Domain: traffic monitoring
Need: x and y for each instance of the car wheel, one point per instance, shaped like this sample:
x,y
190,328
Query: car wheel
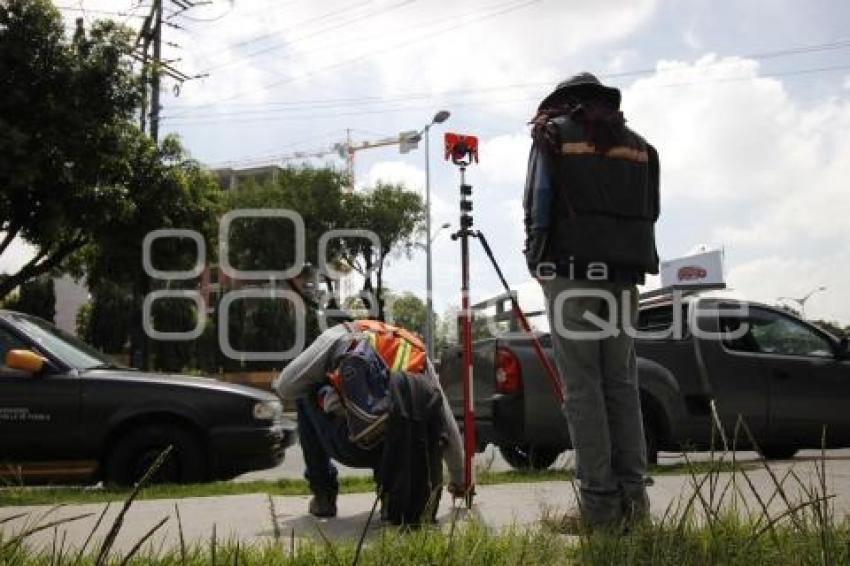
x,y
135,452
777,451
529,457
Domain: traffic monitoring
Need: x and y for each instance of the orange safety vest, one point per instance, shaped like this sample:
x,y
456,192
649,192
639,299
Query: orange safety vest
x,y
400,349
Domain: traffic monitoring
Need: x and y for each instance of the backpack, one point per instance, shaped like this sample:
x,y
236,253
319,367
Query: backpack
x,y
362,375
362,381
400,349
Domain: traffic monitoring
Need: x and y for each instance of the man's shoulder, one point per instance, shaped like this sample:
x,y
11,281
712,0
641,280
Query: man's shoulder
x,y
638,139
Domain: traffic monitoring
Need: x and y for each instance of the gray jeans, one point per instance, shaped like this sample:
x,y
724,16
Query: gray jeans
x,y
602,400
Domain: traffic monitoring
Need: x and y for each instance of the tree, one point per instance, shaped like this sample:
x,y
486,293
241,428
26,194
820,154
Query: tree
x,y
446,329
268,243
168,190
408,311
36,297
103,321
395,215
391,212
65,134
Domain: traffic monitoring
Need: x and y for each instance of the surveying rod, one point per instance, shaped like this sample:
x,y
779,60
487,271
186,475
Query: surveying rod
x,y
462,150
466,329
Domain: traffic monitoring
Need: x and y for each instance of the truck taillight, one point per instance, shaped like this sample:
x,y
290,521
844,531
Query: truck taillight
x,y
508,371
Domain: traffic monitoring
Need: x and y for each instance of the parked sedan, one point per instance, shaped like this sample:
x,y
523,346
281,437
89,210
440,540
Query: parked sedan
x,y
69,413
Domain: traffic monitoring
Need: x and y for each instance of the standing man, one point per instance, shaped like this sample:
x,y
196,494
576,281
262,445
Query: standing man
x,y
591,202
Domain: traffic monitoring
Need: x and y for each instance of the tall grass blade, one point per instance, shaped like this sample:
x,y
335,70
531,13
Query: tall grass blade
x,y
89,537
119,519
20,537
366,528
180,535
142,541
329,545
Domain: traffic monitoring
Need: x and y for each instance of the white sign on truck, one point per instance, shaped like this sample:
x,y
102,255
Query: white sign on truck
x,y
699,271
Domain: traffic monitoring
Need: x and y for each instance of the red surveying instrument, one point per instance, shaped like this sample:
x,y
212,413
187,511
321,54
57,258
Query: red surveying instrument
x,y
463,150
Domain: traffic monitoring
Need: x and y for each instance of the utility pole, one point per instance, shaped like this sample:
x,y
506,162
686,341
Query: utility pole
x,y
149,54
349,158
155,71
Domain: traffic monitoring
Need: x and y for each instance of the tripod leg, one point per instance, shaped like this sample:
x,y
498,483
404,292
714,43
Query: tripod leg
x,y
547,364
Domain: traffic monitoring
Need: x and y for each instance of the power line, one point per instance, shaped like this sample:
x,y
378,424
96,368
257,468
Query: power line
x,y
344,23
86,11
331,104
277,33
401,108
501,9
365,100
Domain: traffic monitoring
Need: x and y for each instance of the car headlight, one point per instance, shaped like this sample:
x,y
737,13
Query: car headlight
x,y
267,410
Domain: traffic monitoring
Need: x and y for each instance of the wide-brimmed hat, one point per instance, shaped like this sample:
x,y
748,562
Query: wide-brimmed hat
x,y
582,82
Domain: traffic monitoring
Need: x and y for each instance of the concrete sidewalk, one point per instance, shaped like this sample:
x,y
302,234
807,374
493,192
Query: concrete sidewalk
x,y
249,517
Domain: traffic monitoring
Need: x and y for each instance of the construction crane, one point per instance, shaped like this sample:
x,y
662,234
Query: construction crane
x,y
346,150
406,141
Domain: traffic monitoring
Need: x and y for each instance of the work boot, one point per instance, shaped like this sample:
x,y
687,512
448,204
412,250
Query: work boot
x,y
322,505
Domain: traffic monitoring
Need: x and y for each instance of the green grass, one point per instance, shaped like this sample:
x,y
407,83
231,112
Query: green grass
x,y
729,541
470,545
57,495
15,495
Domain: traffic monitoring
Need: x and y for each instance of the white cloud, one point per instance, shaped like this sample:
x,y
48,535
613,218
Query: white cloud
x,y
504,159
413,178
768,278
620,60
691,38
301,49
745,166
397,172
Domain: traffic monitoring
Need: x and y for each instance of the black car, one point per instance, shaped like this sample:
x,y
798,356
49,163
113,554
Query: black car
x,y
786,378
69,413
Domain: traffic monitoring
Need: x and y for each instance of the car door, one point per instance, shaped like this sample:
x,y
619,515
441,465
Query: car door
x,y
809,383
39,414
732,367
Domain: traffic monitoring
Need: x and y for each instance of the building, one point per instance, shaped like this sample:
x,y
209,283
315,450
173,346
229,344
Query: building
x,y
229,178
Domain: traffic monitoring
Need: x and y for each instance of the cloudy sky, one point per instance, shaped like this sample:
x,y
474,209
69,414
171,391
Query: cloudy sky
x,y
748,103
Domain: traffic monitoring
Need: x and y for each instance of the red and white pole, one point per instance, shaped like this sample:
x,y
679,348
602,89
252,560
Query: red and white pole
x,y
466,342
463,150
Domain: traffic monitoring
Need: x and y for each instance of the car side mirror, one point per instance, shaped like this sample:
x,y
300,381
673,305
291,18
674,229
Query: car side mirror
x,y
24,360
844,349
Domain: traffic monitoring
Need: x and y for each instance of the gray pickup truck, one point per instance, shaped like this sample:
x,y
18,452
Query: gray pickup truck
x,y
67,413
785,377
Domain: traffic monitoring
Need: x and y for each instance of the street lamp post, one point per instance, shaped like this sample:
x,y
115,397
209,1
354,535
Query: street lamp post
x,y
802,300
438,118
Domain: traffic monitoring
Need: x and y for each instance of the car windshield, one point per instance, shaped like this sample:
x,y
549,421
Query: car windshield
x,y
64,346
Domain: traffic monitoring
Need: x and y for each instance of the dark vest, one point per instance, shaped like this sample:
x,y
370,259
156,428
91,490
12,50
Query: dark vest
x,y
605,205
